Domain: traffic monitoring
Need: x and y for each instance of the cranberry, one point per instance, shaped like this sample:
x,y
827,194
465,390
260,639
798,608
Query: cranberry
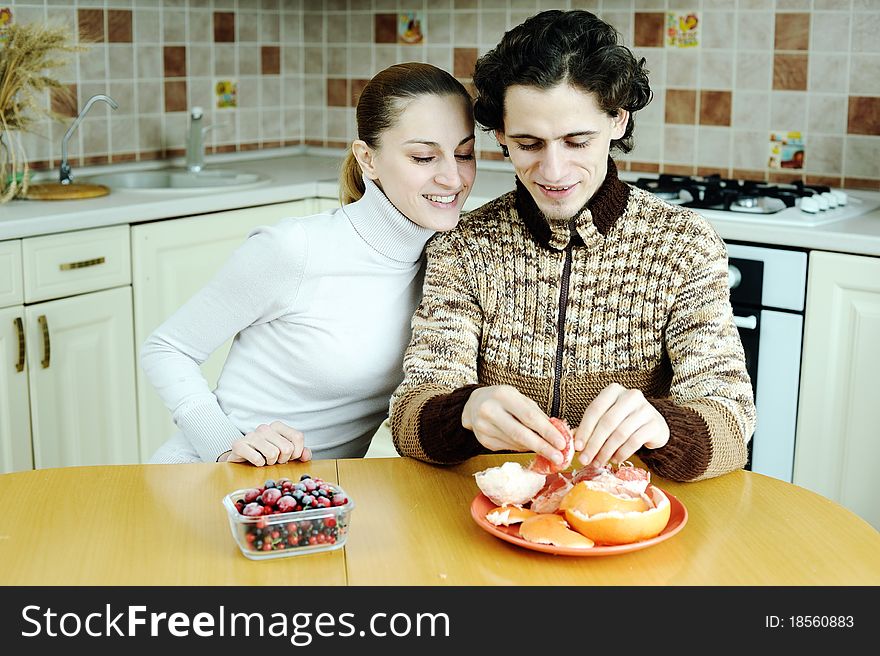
x,y
311,486
252,510
339,500
286,504
270,496
330,522
251,495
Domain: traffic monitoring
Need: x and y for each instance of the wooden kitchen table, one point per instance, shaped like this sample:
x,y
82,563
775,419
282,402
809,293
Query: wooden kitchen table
x,y
411,525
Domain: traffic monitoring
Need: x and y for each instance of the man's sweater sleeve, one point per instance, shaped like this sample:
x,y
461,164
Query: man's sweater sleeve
x,y
257,283
440,363
711,409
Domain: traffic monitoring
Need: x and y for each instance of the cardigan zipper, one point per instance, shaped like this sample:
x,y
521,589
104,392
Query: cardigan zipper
x,y
560,340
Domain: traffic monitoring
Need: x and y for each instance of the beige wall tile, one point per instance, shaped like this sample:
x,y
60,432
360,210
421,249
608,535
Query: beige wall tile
x,y
754,71
829,31
828,73
826,114
679,144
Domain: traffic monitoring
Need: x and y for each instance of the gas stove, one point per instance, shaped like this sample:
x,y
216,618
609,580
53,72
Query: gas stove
x,y
795,204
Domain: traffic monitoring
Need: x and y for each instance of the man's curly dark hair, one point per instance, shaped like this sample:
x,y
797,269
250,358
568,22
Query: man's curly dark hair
x,y
556,46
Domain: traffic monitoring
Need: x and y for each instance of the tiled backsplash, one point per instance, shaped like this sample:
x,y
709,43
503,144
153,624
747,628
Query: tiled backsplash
x,y
293,70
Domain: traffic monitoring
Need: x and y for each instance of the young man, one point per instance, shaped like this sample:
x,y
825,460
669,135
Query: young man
x,y
576,295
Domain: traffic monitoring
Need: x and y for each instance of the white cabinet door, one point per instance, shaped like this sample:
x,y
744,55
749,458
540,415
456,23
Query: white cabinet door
x,y
171,261
81,374
838,432
15,419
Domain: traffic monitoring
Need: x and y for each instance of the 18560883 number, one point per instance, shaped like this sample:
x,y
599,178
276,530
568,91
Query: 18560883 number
x,y
821,621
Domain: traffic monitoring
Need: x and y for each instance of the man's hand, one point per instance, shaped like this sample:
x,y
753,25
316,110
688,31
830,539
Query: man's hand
x,y
270,444
502,418
616,424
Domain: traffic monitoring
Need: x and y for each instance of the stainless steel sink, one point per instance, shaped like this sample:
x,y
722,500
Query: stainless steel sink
x,y
179,179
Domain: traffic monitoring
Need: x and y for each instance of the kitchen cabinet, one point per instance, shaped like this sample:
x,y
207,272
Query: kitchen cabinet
x,y
67,390
171,261
838,433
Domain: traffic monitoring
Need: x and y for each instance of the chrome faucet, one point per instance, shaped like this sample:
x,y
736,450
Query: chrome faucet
x,y
195,141
64,170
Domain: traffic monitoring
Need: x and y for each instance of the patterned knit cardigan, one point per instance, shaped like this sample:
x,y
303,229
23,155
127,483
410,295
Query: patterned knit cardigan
x,y
632,290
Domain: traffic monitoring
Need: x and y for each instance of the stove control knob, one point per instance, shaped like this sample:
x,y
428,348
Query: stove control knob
x,y
839,195
823,202
734,276
831,198
809,204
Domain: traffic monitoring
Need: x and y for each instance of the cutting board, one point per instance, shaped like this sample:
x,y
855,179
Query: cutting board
x,y
58,191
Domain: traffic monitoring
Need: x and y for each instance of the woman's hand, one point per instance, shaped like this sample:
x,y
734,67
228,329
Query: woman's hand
x,y
502,418
270,444
616,424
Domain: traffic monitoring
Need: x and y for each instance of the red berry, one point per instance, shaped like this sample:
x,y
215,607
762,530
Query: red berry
x,y
330,522
253,509
251,495
286,504
271,496
339,500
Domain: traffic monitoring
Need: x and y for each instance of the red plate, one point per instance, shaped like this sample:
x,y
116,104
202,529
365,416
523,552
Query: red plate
x,y
481,505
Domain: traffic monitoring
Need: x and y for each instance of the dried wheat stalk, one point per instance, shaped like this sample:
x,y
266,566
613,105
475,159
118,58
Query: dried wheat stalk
x,y
28,52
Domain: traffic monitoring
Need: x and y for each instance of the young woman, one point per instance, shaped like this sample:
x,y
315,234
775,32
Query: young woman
x,y
321,306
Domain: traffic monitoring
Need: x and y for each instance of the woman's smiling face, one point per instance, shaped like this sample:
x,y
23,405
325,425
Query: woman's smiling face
x,y
425,162
559,140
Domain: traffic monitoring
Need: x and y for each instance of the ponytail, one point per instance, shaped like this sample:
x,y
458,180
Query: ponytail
x,y
351,184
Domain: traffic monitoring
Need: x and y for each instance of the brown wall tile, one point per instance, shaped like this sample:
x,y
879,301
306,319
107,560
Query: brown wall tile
x,y
679,169
749,174
175,61
270,57
119,25
790,72
357,86
64,104
91,25
645,167
337,92
826,180
175,95
649,29
862,183
786,178
715,107
681,106
713,170
224,26
863,115
385,27
792,32
463,62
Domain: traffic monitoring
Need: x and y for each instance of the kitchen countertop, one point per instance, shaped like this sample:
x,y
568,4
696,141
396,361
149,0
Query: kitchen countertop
x,y
411,525
308,172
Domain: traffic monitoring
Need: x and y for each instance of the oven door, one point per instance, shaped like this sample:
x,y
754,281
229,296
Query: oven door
x,y
772,344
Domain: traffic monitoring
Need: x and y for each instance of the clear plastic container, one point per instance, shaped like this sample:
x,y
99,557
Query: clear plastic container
x,y
290,533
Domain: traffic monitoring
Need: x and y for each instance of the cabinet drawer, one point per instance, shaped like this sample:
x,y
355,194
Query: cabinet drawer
x,y
11,286
75,262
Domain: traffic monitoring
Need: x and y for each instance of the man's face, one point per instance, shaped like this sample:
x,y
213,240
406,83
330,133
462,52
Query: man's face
x,y
559,142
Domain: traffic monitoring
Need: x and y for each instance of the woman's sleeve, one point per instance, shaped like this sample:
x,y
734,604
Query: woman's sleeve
x,y
440,363
710,410
257,284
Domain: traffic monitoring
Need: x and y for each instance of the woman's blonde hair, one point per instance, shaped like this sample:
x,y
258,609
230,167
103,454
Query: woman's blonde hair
x,y
380,105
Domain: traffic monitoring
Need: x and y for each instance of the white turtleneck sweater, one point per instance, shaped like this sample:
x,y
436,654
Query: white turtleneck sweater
x,y
321,310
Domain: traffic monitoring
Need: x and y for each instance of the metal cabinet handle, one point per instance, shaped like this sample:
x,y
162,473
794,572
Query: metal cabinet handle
x,y
19,366
44,326
69,266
